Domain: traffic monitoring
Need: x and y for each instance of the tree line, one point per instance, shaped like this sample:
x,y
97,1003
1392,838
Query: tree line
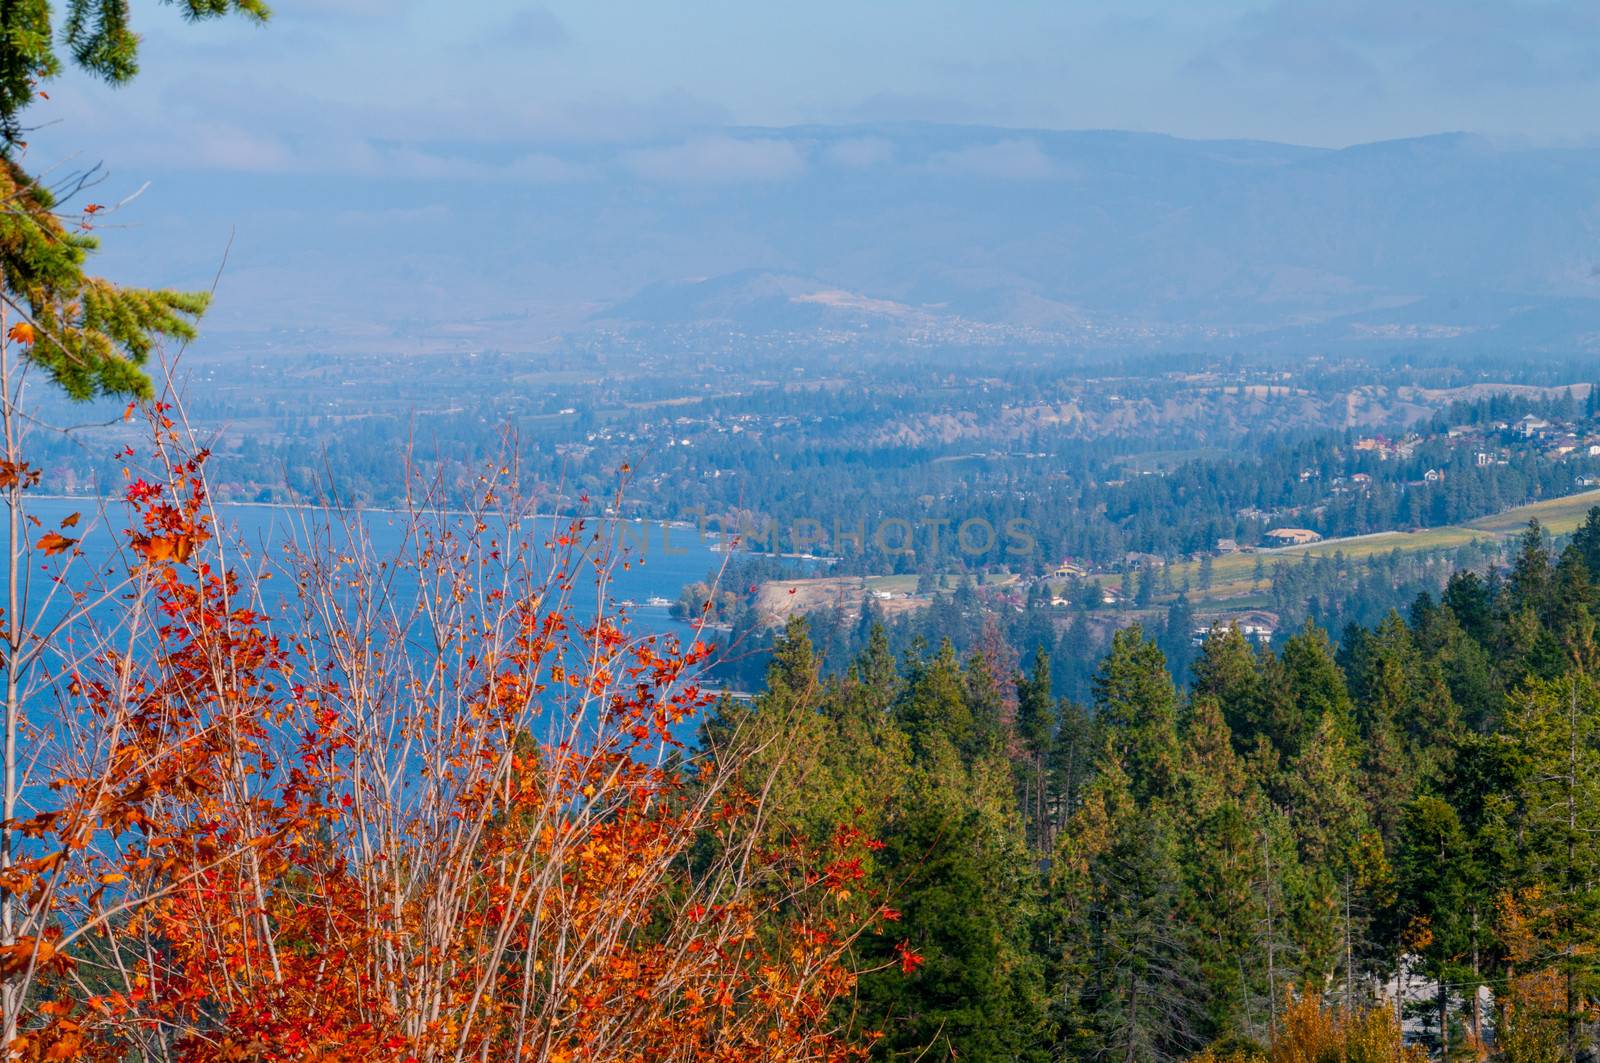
x,y
1160,870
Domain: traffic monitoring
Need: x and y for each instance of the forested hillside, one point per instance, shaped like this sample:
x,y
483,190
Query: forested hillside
x,y
1161,869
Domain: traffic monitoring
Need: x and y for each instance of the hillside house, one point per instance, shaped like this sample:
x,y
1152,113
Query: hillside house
x,y
1531,426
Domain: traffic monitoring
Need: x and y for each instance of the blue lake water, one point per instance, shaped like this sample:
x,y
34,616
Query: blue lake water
x,y
663,558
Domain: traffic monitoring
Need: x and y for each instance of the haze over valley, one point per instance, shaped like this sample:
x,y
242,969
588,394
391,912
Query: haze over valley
x,y
903,236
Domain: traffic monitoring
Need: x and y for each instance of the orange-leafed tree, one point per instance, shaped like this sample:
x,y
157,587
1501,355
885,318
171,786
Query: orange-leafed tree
x,y
422,805
1312,1031
1532,1004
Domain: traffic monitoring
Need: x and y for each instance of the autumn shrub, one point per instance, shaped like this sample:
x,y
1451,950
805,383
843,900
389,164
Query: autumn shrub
x,y
418,807
1310,1031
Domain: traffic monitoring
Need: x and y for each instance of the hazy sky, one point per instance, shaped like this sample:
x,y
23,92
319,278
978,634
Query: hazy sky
x,y
343,151
405,85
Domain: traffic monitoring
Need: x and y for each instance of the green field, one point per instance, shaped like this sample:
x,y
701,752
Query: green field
x,y
1232,576
1558,515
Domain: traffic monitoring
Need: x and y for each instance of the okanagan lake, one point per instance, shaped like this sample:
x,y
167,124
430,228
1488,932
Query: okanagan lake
x,y
663,558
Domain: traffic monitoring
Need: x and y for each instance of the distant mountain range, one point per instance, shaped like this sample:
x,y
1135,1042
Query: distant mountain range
x,y
1075,238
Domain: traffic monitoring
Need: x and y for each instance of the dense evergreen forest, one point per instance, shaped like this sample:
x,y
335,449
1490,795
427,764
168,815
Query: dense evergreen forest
x,y
1153,869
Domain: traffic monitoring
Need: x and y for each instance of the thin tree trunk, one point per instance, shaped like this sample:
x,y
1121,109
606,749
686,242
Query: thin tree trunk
x,y
1041,821
1477,996
1349,954
11,992
1444,1018
1400,994
1132,1055
1572,829
1272,940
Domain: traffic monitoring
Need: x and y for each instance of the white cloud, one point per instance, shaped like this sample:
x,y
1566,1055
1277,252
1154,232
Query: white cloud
x,y
715,160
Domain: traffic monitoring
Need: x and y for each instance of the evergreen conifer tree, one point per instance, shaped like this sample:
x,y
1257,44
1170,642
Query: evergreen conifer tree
x,y
91,336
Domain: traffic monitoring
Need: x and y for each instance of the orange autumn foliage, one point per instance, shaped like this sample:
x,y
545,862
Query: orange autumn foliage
x,y
1310,1031
1531,1027
426,811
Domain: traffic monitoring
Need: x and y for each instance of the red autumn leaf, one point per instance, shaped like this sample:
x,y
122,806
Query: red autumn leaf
x,y
70,520
910,960
21,332
55,543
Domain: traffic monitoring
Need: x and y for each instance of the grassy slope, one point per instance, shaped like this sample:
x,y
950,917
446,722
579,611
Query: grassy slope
x,y
1232,575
